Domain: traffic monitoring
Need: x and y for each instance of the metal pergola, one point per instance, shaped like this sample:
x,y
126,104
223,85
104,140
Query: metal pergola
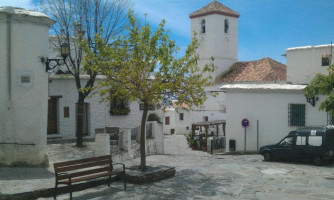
x,y
206,126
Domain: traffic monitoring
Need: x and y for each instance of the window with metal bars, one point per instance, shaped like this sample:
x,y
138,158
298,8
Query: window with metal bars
x,y
325,61
296,114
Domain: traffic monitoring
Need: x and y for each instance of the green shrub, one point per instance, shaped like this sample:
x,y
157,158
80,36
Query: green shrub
x,y
190,139
153,117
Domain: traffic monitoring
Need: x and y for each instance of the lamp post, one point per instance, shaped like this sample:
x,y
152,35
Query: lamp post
x,y
64,51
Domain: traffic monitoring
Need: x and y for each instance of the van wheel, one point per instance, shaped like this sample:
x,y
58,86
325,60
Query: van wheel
x,y
267,155
317,161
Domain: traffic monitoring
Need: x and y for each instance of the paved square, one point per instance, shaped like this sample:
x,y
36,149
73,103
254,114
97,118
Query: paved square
x,y
202,176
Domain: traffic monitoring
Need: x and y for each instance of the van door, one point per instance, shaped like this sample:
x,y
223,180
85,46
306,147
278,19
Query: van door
x,y
301,149
286,148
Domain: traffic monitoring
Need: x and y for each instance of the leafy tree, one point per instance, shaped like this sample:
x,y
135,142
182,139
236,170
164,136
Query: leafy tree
x,y
143,67
78,20
323,84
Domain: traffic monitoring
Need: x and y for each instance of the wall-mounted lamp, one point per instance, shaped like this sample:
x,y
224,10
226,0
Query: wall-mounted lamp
x,y
312,100
64,51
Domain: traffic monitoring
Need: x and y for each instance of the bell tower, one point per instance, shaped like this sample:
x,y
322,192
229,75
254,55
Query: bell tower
x,y
217,30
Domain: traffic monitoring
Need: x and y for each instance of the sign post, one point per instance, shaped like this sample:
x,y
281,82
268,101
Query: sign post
x,y
245,124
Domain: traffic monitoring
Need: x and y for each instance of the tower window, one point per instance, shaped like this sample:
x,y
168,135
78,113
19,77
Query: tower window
x,y
203,26
226,26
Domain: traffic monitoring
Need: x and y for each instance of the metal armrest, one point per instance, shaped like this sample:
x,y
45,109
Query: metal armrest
x,y
120,164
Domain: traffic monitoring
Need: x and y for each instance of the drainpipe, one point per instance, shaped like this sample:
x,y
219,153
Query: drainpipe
x,y
9,56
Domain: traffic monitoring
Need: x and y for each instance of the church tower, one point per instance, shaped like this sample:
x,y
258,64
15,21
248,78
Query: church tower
x,y
217,30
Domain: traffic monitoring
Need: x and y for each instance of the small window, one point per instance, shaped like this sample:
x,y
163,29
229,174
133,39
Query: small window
x,y
325,61
315,141
226,26
66,112
301,140
205,118
181,116
187,128
296,114
119,106
166,120
203,25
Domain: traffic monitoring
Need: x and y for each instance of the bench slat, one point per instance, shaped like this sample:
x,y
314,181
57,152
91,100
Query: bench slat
x,y
80,161
82,166
86,172
85,178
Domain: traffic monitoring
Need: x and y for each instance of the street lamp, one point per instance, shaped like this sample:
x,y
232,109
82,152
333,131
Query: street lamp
x,y
64,51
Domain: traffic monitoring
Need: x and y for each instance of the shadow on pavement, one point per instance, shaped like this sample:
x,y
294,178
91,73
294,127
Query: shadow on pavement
x,y
14,173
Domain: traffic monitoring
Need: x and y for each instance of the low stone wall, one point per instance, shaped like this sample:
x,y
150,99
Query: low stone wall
x,y
127,148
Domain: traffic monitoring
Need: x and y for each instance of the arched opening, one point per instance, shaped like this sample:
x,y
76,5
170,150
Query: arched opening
x,y
226,26
203,25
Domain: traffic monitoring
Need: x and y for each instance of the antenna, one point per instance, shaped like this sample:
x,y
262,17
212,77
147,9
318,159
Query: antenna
x,y
145,17
331,54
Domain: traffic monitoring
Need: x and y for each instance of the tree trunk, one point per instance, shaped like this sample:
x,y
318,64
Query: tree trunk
x,y
142,138
80,117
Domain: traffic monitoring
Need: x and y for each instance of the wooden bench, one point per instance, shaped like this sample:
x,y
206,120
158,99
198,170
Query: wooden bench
x,y
75,171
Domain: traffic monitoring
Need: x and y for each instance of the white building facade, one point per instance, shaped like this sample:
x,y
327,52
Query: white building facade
x,y
305,62
62,110
24,39
273,110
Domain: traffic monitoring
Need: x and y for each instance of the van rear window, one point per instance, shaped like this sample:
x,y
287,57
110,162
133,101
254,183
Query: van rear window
x,y
315,140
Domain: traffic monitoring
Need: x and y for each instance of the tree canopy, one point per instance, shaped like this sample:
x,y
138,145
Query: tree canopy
x,y
323,84
142,66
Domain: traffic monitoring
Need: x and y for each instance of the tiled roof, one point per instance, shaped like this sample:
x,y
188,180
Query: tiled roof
x,y
264,70
214,8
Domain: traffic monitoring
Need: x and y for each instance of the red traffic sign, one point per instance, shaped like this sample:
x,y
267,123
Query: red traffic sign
x,y
245,123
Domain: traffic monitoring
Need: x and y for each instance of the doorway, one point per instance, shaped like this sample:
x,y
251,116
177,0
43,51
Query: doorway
x,y
52,127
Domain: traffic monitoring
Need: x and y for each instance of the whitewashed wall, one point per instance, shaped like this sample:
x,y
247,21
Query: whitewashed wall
x,y
270,108
133,119
23,107
98,117
66,89
304,62
213,108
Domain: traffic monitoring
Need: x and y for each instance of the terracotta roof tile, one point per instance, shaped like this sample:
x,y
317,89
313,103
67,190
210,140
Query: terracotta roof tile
x,y
264,70
214,8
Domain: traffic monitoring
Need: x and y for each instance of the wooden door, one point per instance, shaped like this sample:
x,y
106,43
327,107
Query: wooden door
x,y
52,116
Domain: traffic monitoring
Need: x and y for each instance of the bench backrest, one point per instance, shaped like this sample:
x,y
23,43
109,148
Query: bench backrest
x,y
80,167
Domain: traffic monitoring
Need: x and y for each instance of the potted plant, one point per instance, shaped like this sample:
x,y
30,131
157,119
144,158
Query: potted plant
x,y
203,144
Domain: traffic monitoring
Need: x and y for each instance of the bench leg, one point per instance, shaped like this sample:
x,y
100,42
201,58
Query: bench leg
x,y
70,191
124,180
55,191
109,180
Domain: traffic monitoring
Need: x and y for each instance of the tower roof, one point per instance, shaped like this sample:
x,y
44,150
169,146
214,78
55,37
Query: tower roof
x,y
214,8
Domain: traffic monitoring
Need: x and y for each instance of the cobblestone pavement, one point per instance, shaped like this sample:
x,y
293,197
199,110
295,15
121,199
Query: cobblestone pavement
x,y
202,176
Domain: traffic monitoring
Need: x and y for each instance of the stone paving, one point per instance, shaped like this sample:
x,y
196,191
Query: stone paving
x,y
202,176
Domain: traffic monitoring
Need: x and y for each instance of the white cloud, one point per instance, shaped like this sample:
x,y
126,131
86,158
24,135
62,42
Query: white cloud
x,y
27,4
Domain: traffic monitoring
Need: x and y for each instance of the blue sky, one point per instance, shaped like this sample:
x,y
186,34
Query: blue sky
x,y
266,27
